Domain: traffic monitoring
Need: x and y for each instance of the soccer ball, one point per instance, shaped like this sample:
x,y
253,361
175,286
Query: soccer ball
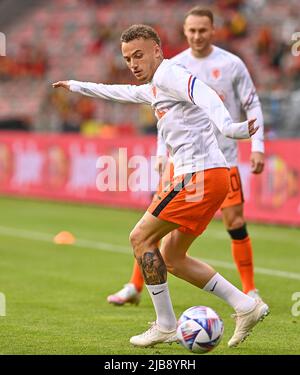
x,y
199,329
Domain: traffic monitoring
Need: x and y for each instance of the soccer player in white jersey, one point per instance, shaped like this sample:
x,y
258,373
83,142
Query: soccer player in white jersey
x,y
199,185
228,76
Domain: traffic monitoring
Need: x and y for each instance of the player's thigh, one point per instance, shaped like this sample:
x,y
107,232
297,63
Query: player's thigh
x,y
175,245
150,229
233,216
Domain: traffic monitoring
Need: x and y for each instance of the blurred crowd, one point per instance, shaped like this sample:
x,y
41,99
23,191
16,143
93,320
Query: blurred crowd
x,y
30,60
79,39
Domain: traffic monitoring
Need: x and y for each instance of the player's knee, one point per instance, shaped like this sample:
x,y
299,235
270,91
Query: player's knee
x,y
173,268
140,242
170,267
171,262
235,222
136,238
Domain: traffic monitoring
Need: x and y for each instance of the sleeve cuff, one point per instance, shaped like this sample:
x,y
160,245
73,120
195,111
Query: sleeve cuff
x,y
239,130
257,146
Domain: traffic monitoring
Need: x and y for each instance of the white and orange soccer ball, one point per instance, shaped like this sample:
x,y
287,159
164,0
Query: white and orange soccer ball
x,y
200,329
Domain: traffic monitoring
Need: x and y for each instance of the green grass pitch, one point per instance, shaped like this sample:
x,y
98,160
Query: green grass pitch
x,y
56,294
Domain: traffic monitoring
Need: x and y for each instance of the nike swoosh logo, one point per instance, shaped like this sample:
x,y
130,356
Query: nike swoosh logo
x,y
157,292
213,288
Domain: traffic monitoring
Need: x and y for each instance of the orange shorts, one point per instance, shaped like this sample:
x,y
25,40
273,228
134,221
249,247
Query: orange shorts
x,y
192,199
235,195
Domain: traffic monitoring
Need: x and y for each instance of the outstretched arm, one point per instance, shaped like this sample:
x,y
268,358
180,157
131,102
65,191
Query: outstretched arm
x,y
118,93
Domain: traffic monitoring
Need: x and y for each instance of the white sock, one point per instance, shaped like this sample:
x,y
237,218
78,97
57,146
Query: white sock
x,y
166,319
229,293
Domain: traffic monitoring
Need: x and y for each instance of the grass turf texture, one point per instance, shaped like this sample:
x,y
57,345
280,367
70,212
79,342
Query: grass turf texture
x,y
56,294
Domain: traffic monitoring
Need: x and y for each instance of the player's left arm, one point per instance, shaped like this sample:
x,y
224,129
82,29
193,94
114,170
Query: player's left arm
x,y
183,86
247,94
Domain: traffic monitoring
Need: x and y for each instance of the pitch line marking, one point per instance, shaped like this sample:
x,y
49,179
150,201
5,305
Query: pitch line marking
x,y
104,246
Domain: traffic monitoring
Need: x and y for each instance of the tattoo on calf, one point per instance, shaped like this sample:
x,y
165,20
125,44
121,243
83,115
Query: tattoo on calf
x,y
153,267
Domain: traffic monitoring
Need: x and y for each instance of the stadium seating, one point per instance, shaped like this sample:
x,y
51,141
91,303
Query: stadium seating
x,y
80,40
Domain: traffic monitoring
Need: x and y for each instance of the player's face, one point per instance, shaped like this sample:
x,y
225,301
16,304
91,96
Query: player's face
x,y
142,57
199,33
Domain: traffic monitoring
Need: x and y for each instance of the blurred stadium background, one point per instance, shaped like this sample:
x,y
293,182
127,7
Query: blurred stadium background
x,y
50,141
61,39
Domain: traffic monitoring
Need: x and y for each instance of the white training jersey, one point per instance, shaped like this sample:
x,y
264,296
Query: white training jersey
x,y
186,109
226,74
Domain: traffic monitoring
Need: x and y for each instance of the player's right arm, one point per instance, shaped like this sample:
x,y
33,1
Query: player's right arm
x,y
118,93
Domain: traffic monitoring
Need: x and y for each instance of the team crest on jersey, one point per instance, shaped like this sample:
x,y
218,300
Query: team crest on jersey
x,y
216,73
160,113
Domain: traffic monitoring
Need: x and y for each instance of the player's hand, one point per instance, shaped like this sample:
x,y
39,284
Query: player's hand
x,y
257,160
252,129
64,84
160,164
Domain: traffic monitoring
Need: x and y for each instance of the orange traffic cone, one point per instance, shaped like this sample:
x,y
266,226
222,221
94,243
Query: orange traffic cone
x,y
64,238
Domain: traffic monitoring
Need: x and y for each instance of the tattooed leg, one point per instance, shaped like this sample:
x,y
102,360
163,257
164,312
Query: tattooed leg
x,y
153,267
144,239
155,275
